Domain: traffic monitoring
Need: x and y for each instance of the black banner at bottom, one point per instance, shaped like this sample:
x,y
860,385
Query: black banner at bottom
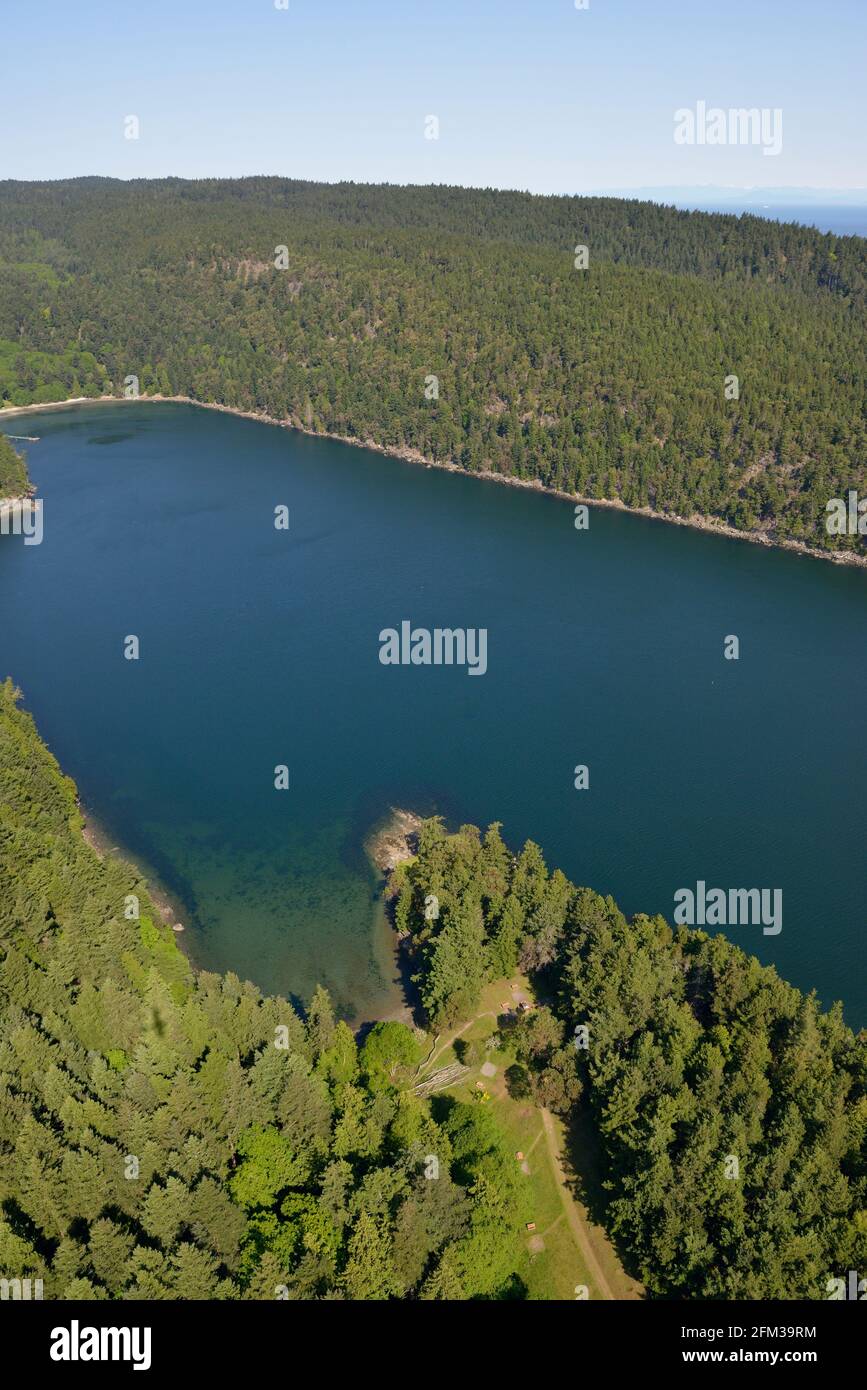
x,y
83,1339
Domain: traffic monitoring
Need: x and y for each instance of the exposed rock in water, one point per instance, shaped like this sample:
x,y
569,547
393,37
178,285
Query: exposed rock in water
x,y
394,841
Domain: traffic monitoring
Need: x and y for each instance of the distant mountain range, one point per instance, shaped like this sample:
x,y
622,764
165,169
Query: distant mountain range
x,y
753,197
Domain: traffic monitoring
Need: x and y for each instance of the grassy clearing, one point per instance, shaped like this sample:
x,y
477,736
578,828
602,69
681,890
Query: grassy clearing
x,y
548,1259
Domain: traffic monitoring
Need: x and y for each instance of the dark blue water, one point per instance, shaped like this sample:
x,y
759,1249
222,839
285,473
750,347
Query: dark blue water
x,y
838,218
260,648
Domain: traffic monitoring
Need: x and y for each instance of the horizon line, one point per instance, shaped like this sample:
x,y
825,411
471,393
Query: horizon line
x,y
620,191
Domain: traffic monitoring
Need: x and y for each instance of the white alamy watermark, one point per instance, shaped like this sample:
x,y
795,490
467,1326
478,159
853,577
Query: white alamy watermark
x,y
733,907
846,518
439,646
22,517
21,1290
853,1287
77,1343
738,125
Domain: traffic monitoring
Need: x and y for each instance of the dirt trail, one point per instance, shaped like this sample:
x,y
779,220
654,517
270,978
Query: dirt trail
x,y
441,1047
576,1224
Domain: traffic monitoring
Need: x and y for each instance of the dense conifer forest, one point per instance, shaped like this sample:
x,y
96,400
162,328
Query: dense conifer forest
x,y
165,1135
171,1135
731,1109
454,323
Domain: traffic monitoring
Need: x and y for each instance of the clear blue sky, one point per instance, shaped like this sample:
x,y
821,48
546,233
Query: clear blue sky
x,y
529,93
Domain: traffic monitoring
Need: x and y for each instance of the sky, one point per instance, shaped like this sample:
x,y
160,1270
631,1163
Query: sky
x,y
532,94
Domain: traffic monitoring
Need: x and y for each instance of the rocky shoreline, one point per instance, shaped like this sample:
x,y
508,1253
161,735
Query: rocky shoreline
x,y
696,522
94,835
395,841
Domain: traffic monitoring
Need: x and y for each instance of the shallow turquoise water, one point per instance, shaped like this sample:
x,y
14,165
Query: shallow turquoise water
x,y
260,647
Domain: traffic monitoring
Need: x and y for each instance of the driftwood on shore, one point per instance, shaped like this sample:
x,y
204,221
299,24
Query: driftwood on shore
x,y
446,1076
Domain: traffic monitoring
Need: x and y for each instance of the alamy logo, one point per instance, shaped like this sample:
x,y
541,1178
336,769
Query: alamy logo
x,y
76,1343
442,646
22,1290
22,519
739,907
847,518
739,125
852,1287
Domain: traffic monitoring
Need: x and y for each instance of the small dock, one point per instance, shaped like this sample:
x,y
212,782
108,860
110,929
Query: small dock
x,y
24,438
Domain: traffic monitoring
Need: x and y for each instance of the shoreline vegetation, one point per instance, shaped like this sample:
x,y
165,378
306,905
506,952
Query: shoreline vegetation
x,y
667,1053
708,525
723,1110
699,368
97,837
300,1164
393,840
703,1082
16,490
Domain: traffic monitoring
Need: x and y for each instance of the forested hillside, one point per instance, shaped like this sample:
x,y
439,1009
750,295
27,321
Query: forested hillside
x,y
731,1109
170,1136
454,323
13,473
